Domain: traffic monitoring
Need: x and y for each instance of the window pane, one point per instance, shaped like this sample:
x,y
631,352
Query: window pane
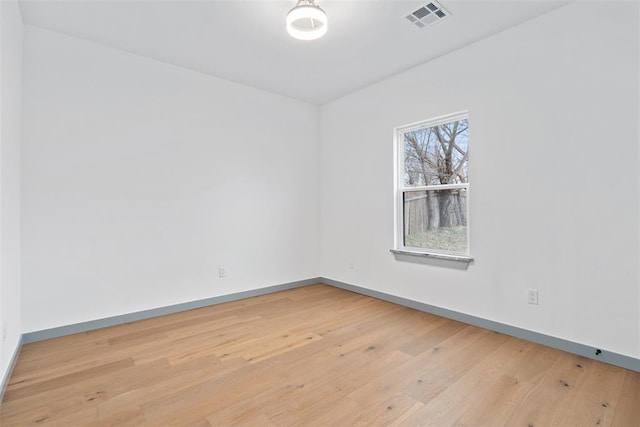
x,y
436,219
437,154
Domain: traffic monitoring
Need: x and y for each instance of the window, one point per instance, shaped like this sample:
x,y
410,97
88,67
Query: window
x,y
432,187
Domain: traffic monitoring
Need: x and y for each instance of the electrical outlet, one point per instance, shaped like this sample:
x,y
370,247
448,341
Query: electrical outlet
x,y
222,272
533,296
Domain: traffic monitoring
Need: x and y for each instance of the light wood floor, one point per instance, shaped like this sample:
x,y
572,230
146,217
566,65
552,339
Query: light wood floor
x,y
311,356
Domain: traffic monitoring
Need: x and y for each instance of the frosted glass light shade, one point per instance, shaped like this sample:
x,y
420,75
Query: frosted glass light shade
x,y
307,21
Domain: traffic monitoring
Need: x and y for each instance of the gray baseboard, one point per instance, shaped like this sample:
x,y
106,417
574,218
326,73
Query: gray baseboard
x,y
609,357
4,381
60,331
601,355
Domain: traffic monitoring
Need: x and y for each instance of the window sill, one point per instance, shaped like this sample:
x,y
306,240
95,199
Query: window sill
x,y
431,255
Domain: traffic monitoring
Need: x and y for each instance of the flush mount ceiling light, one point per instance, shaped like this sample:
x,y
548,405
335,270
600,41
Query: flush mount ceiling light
x,y
307,21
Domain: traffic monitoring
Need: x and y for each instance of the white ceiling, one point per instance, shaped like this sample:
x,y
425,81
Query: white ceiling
x,y
246,41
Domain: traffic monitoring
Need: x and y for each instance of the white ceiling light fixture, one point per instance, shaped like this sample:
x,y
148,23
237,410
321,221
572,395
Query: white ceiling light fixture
x,y
307,21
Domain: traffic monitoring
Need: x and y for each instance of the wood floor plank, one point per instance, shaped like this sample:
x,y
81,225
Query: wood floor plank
x,y
396,409
443,373
626,411
382,387
595,407
445,405
552,392
518,370
65,380
312,356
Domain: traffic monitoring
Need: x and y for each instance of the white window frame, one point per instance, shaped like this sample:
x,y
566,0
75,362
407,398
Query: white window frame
x,y
400,190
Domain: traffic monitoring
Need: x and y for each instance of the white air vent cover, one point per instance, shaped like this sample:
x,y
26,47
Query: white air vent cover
x,y
428,14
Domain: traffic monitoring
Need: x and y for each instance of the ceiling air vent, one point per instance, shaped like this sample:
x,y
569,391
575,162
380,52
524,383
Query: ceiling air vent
x,y
428,14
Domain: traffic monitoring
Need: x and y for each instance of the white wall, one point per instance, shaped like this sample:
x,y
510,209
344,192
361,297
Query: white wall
x,y
10,135
141,179
553,113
